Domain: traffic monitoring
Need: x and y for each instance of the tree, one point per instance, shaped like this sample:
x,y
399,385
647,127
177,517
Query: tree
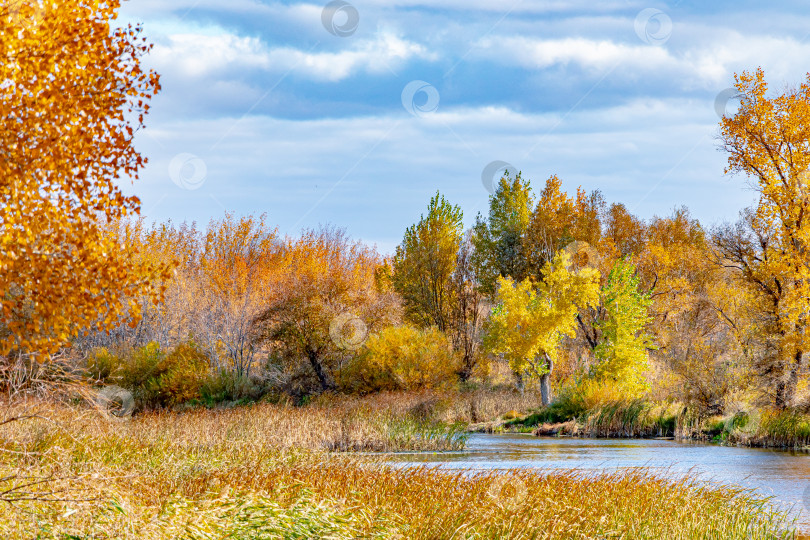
x,y
622,352
468,311
498,241
529,321
768,140
435,273
328,302
558,220
72,98
240,262
425,262
624,233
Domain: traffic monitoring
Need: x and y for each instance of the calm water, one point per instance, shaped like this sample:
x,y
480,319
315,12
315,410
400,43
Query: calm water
x,y
782,475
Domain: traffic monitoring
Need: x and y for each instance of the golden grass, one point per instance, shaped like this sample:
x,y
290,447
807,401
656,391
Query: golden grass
x,y
256,472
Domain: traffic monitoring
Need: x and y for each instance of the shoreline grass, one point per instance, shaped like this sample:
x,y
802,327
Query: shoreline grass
x,y
262,472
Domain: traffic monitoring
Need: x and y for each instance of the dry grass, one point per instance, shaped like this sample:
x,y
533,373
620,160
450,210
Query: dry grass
x,y
242,473
449,407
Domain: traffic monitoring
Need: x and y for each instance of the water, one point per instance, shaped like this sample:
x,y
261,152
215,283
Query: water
x,y
782,475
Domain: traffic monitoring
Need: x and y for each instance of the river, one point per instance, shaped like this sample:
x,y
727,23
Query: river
x,y
782,475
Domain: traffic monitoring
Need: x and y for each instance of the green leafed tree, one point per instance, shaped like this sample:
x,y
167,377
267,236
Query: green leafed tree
x,y
425,262
622,352
498,240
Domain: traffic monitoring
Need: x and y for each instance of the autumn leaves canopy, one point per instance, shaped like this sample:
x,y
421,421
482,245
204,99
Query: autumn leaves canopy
x,y
73,96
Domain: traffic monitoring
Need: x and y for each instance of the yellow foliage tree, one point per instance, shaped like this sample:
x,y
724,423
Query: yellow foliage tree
x,y
530,320
72,98
768,140
329,299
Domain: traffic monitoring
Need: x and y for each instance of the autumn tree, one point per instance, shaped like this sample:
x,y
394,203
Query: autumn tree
x,y
498,240
469,309
623,233
768,140
240,263
425,262
73,96
327,303
530,319
558,220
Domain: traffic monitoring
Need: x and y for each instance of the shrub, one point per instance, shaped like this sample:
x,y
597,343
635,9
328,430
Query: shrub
x,y
155,378
583,395
223,386
402,358
101,364
180,375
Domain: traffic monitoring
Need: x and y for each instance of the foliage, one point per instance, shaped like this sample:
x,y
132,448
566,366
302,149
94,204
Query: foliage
x,y
558,220
498,240
530,320
239,265
402,358
328,301
74,94
585,394
425,262
768,140
623,349
155,378
468,312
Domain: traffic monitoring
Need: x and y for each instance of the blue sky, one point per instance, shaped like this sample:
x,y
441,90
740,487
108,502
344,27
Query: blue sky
x,y
265,108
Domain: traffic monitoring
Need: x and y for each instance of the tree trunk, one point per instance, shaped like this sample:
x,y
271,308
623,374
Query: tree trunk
x,y
519,381
319,371
545,383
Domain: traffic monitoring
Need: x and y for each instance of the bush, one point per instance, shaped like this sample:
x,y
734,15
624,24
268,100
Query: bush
x,y
155,378
402,358
223,386
101,364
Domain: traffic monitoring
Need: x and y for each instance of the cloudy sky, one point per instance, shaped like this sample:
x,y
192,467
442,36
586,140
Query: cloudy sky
x,y
356,113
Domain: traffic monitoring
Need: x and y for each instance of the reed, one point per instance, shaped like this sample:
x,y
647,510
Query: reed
x,y
261,472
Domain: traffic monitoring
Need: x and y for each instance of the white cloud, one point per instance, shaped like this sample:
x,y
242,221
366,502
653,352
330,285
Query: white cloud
x,y
539,53
705,63
202,54
382,54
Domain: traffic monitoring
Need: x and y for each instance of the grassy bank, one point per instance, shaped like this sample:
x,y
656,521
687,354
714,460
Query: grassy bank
x,y
638,418
261,472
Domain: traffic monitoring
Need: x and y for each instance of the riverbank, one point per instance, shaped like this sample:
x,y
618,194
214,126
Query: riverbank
x,y
254,472
766,428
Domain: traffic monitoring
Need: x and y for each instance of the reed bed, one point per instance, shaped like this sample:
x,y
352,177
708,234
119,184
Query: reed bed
x,y
629,418
450,407
261,472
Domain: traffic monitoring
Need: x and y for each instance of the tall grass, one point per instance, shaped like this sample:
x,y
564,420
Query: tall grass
x,y
630,418
774,428
257,472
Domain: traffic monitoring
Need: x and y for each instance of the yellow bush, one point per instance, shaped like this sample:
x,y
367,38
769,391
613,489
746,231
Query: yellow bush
x,y
102,364
402,358
182,374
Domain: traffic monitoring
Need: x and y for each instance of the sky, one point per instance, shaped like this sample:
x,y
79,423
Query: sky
x,y
356,113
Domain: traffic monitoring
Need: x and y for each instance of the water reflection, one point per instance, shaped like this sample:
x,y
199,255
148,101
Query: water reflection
x,y
783,475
